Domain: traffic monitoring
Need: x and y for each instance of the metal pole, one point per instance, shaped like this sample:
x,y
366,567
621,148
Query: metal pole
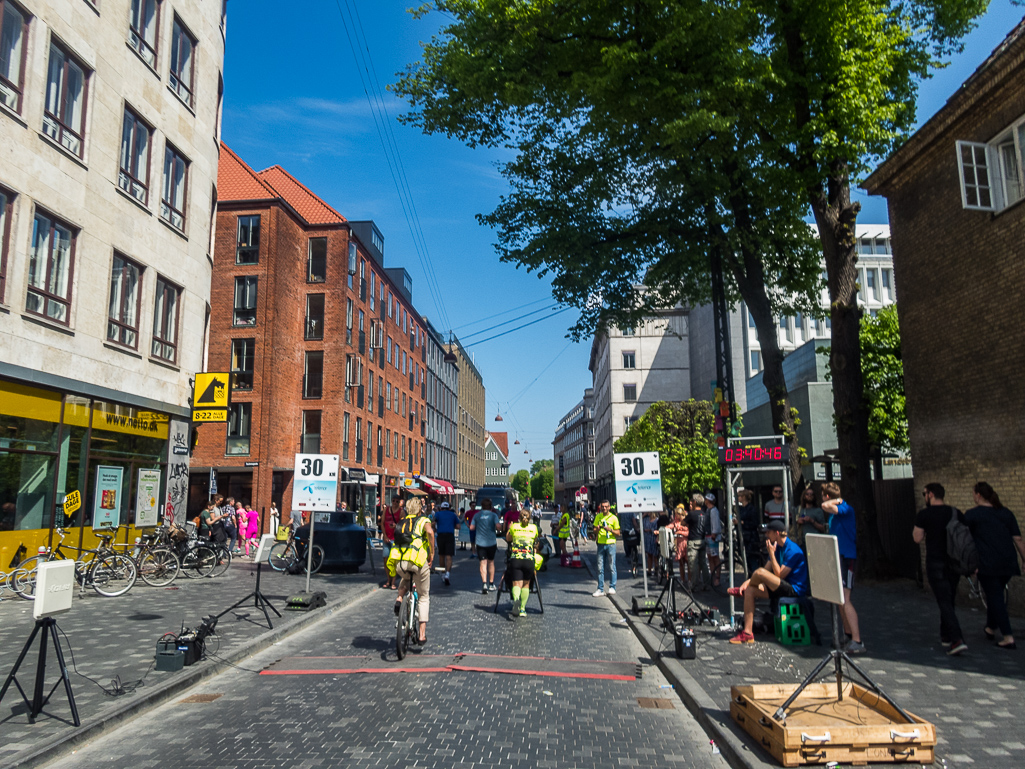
x,y
729,534
644,560
786,500
309,552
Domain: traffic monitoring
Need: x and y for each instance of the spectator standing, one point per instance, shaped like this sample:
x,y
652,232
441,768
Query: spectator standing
x,y
713,536
606,532
843,525
697,526
275,518
931,528
510,516
997,538
564,528
774,509
252,530
680,535
445,521
485,527
472,534
750,520
390,518
809,517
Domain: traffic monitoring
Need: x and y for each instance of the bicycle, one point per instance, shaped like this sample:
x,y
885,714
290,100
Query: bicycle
x,y
156,563
291,556
407,624
108,573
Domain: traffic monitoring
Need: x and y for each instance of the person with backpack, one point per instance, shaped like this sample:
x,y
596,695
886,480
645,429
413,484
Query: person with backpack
x,y
843,525
998,540
389,519
931,527
412,559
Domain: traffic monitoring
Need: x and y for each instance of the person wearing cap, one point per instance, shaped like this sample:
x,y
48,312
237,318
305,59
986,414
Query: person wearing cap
x,y
785,575
713,536
445,520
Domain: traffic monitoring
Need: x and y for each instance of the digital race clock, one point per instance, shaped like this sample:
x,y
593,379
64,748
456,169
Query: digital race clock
x,y
754,453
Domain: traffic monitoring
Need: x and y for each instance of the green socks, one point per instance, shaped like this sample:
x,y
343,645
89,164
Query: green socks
x,y
516,594
524,595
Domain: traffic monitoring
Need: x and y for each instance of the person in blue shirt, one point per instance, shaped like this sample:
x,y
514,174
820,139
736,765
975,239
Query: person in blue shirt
x,y
843,526
445,520
485,527
785,575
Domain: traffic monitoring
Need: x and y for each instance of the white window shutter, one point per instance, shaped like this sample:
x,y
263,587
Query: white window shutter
x,y
976,173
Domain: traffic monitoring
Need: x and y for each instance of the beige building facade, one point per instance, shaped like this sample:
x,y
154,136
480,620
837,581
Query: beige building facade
x,y
471,409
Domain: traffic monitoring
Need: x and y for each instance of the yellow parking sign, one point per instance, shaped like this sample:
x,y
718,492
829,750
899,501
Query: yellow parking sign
x,y
72,501
210,394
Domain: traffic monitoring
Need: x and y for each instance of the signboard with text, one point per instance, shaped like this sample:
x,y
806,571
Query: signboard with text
x,y
210,396
638,482
147,499
315,484
107,499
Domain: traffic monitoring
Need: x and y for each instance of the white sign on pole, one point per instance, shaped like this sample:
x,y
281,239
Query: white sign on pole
x,y
315,485
638,482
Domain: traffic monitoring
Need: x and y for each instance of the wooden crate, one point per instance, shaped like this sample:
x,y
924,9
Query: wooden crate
x,y
860,728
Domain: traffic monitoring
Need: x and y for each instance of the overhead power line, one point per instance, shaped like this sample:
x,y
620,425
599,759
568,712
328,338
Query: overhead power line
x,y
511,320
494,315
504,333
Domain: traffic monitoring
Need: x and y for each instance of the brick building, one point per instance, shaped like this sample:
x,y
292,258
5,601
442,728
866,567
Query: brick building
x,y
324,348
441,393
955,192
470,458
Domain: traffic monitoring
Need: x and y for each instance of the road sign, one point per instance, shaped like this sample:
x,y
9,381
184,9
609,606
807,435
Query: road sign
x,y
315,484
72,501
210,396
638,482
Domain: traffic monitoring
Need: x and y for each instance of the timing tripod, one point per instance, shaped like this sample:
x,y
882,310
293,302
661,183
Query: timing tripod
x,y
48,626
673,583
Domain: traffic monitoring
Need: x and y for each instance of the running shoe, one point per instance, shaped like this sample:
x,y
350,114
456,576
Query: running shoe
x,y
598,593
855,647
523,612
612,591
957,648
742,638
446,581
484,589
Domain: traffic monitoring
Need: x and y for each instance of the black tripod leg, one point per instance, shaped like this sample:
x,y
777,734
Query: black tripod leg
x,y
658,602
498,592
781,713
874,686
21,658
537,586
37,696
64,672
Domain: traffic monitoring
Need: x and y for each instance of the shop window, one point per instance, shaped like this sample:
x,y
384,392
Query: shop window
x,y
183,47
311,432
247,249
6,207
123,309
172,198
121,432
142,29
315,316
28,418
13,33
316,260
133,175
313,376
165,321
245,300
239,426
66,88
243,354
51,266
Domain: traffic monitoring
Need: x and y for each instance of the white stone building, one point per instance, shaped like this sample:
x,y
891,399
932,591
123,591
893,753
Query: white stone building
x,y
574,450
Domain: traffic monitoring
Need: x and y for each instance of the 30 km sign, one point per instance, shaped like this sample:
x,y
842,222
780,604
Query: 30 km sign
x,y
638,482
315,485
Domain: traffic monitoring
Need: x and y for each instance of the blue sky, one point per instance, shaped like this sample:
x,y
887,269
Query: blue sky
x,y
293,96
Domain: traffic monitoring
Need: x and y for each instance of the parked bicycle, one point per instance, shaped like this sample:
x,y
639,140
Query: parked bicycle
x,y
291,556
195,556
108,573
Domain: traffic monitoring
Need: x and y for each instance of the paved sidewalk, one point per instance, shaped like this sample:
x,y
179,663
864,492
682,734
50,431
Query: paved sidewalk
x,y
117,637
975,700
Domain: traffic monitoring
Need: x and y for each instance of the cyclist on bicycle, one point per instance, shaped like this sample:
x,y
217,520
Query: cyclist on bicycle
x,y
412,558
522,538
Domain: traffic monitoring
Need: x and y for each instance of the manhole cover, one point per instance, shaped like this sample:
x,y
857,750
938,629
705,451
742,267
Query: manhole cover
x,y
652,702
201,698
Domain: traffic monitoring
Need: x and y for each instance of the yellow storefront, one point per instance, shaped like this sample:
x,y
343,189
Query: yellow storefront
x,y
52,443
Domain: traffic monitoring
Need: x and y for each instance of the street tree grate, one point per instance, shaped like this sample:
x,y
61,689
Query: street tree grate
x,y
653,702
200,698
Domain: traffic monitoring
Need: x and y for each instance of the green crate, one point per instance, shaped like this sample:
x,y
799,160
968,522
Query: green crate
x,y
791,625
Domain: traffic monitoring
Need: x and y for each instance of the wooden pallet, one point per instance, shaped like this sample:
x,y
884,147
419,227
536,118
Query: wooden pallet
x,y
860,728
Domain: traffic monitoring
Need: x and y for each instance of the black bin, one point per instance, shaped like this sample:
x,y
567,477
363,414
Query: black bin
x,y
686,644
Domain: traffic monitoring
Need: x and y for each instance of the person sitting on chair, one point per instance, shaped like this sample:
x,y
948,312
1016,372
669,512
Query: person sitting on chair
x,y
785,575
522,538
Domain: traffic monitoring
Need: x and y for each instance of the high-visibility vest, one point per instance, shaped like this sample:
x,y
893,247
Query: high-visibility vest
x,y
606,519
523,537
564,526
417,551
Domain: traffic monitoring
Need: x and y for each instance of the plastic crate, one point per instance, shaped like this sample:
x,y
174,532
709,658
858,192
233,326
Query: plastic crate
x,y
791,625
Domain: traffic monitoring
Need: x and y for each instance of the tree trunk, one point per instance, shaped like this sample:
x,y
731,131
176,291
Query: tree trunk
x,y
835,216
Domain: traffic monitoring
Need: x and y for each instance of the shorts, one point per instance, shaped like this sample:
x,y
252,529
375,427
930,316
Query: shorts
x,y
487,553
847,572
521,570
711,547
446,543
785,590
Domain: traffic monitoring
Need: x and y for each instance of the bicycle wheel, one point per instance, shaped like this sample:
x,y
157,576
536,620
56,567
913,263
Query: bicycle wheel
x,y
159,567
318,559
198,562
113,575
402,626
278,558
221,562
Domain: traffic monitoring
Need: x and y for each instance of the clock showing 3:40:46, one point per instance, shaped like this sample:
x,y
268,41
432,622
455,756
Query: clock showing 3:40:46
x,y
754,453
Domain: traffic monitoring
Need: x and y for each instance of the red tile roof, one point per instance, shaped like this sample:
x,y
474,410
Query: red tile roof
x,y
237,181
309,206
502,441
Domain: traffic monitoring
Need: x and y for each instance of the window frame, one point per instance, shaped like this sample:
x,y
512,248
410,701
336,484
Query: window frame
x,y
308,393
144,164
235,370
122,325
171,153
159,335
140,45
6,215
61,126
46,295
307,335
627,385
304,436
178,31
244,410
632,361
246,280
247,247
17,88
310,277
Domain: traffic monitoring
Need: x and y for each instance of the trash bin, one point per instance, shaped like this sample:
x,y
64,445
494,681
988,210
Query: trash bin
x,y
685,641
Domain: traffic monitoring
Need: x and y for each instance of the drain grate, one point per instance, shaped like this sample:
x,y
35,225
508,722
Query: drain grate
x,y
200,698
655,703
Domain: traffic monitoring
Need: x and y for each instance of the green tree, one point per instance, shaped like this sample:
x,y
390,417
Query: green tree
x,y
521,482
684,435
883,368
540,465
542,485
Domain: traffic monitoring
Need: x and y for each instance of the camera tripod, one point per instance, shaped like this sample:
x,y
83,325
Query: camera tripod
x,y
670,609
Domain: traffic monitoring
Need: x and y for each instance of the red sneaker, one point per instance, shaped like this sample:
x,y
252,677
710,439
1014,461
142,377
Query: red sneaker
x,y
734,591
742,638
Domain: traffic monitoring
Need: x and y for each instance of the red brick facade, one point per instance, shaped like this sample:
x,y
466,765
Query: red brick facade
x,y
281,346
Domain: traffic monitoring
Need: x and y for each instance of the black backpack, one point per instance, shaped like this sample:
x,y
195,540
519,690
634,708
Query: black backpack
x,y
961,550
405,530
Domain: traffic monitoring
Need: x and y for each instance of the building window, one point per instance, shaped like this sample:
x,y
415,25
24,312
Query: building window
x,y
359,439
133,176
315,316
628,331
387,443
887,285
240,417
172,198
345,436
165,321
798,327
629,360
756,361
123,310
348,322
245,300
13,32
313,376
870,285
142,29
627,421
387,347
6,204
316,263
243,354
64,118
311,432
247,247
50,269
629,392
390,305
182,57
373,288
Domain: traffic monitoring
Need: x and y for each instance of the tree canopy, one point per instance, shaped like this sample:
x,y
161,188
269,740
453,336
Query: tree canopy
x,y
541,464
883,367
521,482
542,485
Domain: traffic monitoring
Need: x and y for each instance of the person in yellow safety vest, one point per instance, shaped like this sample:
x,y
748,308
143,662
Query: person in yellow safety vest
x,y
522,538
564,531
606,532
412,558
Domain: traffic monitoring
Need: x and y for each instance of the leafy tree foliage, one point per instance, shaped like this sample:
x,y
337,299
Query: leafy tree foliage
x,y
684,435
542,485
521,482
540,465
883,369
